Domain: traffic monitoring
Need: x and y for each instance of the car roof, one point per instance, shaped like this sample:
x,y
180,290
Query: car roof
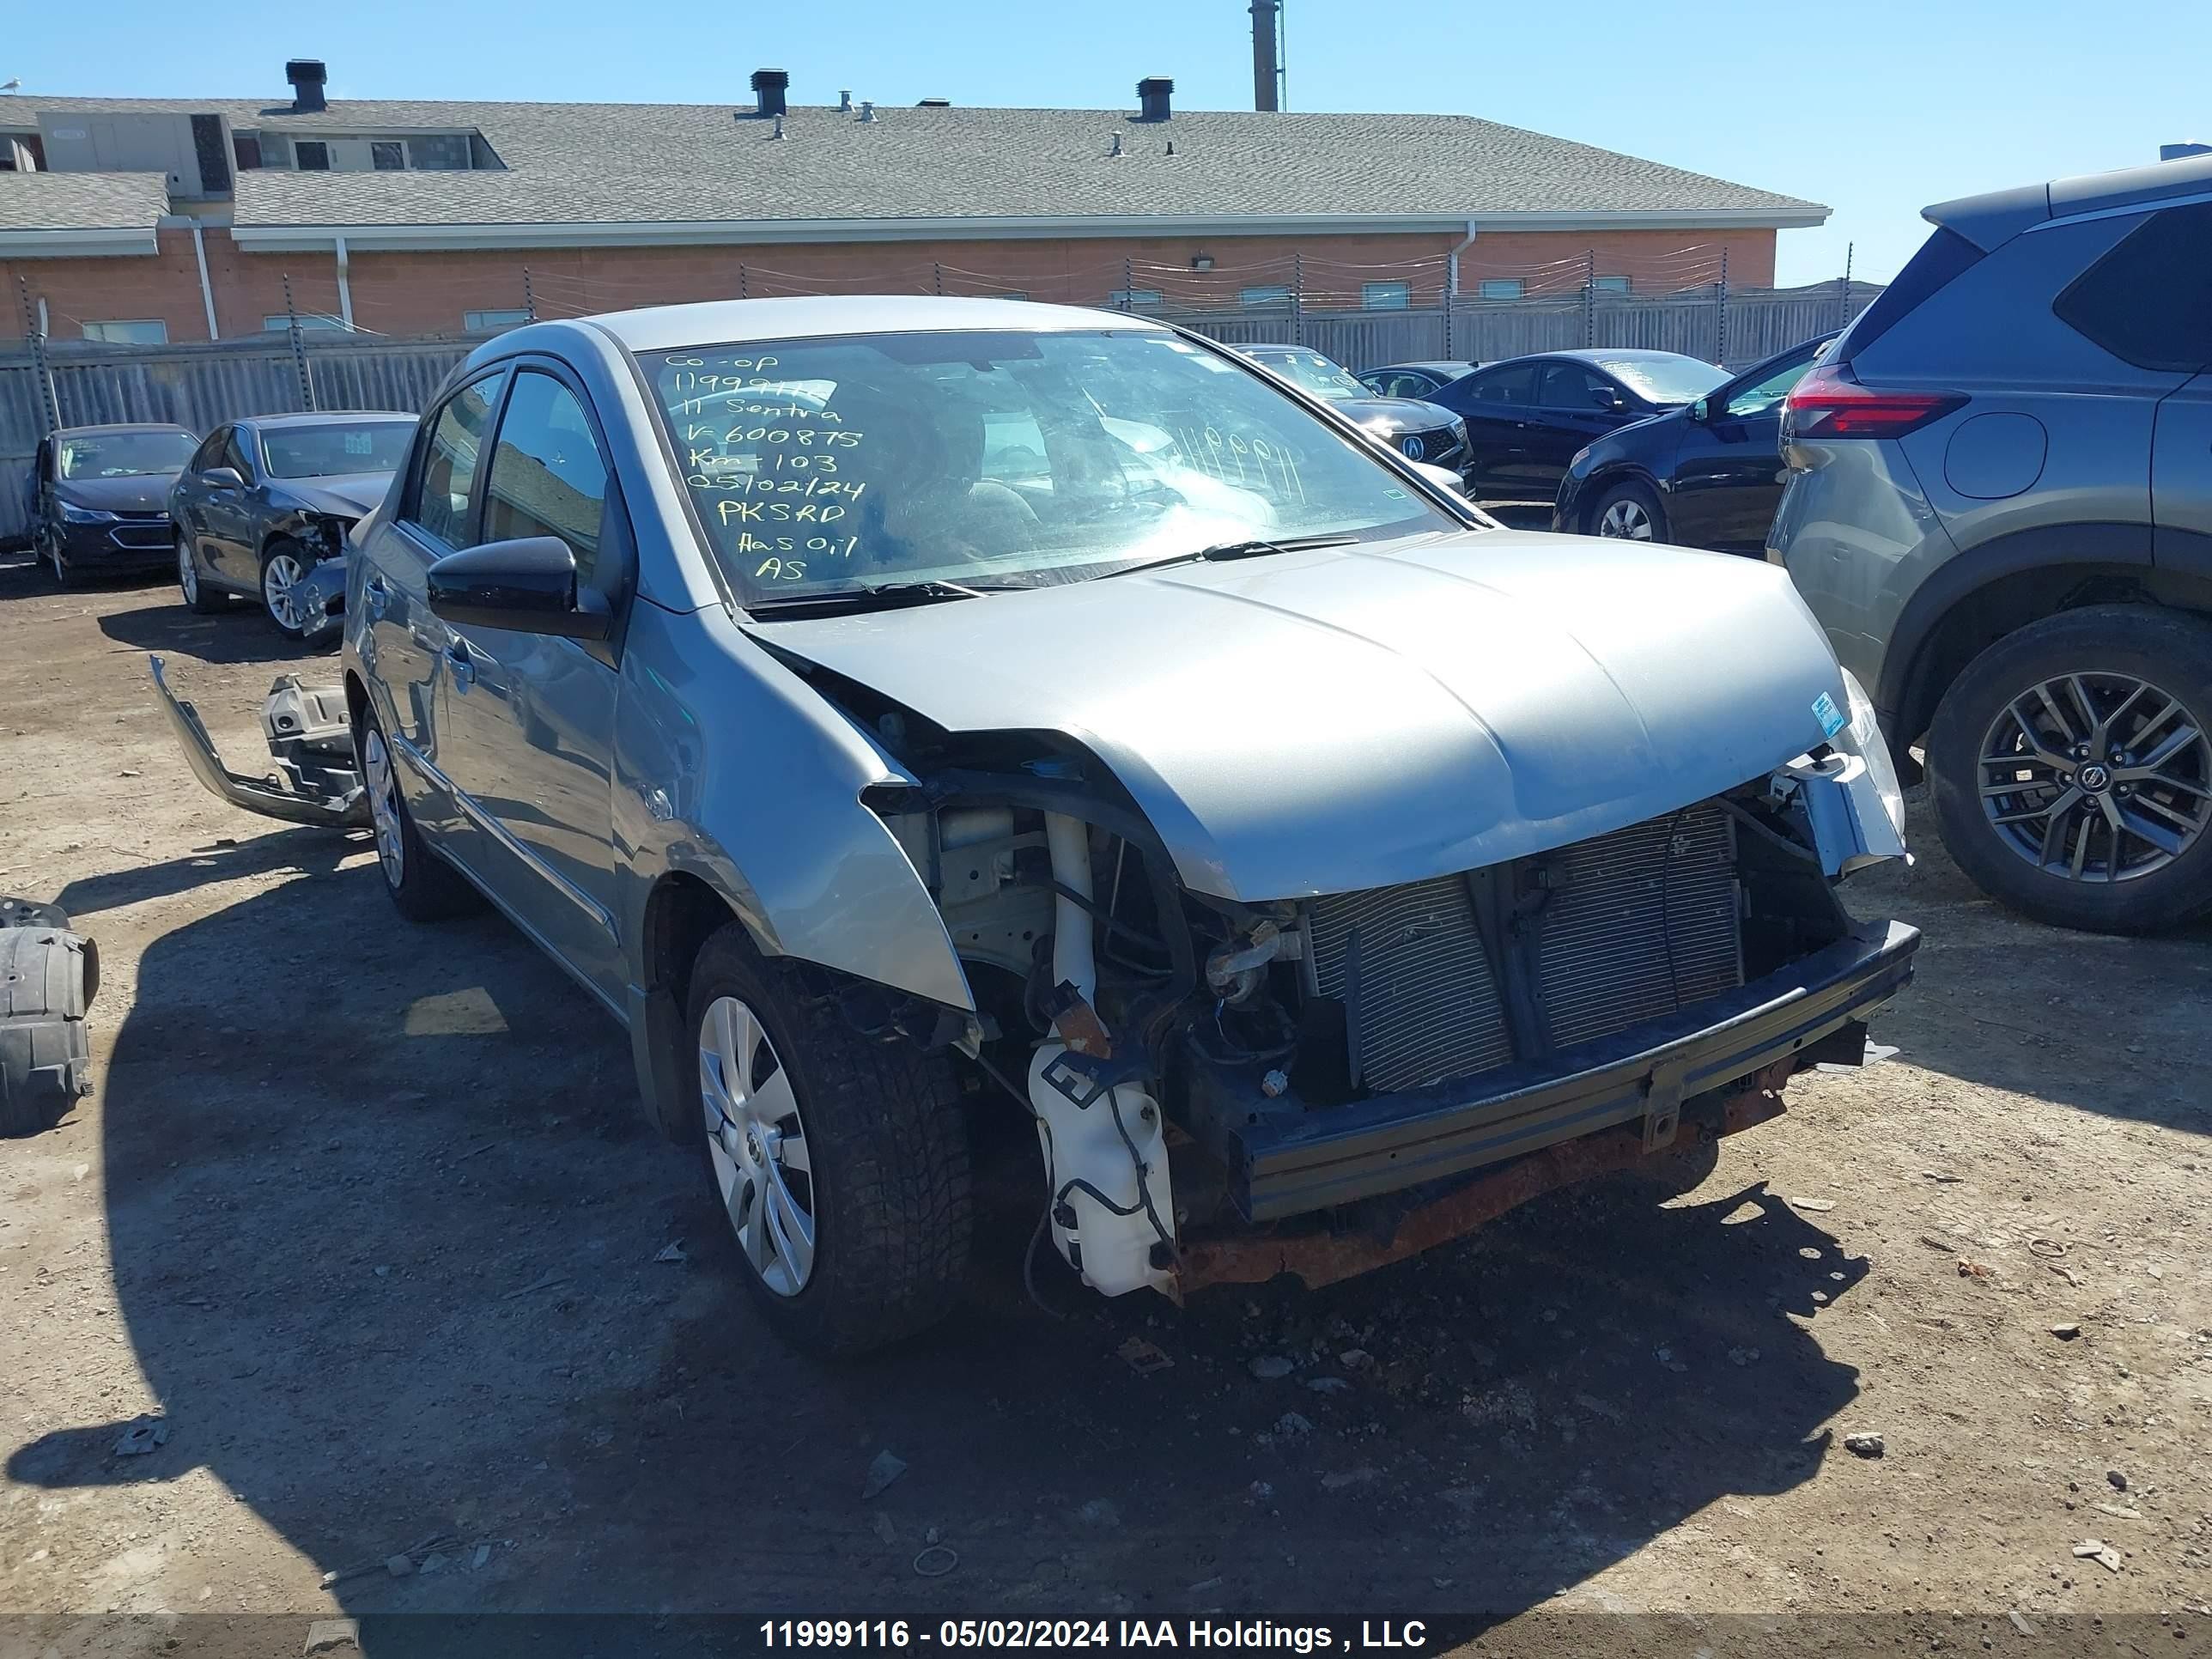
x,y
1602,356
1433,365
658,328
1998,215
326,417
122,426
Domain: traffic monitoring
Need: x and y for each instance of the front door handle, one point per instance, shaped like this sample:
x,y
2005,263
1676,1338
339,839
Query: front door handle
x,y
463,665
378,594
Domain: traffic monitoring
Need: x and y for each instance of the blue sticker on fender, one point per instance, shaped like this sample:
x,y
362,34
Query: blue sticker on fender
x,y
1829,716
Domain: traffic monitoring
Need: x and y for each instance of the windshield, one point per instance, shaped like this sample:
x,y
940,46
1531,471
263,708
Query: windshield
x,y
125,454
1664,380
1314,372
1007,457
320,452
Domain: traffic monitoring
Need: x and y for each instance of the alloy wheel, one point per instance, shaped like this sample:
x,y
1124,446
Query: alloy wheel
x,y
764,1166
1626,521
2095,777
383,808
279,577
188,573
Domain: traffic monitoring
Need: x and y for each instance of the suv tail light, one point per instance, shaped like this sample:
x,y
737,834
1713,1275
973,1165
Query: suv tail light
x,y
1829,404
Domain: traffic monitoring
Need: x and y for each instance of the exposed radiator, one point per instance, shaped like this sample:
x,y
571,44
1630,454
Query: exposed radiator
x,y
1613,931
1421,1002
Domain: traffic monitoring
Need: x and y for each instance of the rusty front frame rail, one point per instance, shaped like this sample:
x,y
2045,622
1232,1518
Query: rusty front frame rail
x,y
1322,1258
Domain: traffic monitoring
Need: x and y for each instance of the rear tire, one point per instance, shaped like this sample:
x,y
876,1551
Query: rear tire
x,y
861,1143
1628,512
423,886
2104,651
199,598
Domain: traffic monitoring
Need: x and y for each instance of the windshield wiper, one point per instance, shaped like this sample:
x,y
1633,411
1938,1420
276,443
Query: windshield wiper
x,y
878,593
1220,551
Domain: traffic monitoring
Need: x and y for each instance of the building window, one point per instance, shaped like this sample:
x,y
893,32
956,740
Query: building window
x,y
1385,297
1133,299
144,331
440,152
1271,293
312,156
490,322
1499,288
1613,284
280,323
387,155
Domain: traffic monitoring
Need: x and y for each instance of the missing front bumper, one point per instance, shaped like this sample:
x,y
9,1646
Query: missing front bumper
x,y
1389,1144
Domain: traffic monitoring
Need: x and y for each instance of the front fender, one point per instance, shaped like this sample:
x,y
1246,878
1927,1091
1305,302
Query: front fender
x,y
728,767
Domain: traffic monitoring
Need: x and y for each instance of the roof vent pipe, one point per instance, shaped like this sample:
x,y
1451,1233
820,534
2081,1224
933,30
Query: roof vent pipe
x,y
1116,150
779,128
1153,93
307,76
844,102
769,88
867,109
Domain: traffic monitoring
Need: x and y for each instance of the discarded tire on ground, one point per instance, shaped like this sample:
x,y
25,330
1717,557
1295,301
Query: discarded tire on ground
x,y
48,977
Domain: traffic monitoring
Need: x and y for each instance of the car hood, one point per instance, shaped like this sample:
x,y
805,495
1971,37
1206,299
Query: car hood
x,y
344,495
1340,719
144,493
1398,414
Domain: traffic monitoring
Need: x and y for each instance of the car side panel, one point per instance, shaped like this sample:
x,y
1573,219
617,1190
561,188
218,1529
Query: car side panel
x,y
2181,477
730,767
396,646
1727,478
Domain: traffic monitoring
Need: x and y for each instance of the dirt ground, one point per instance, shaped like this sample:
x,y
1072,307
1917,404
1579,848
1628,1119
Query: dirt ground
x,y
368,1214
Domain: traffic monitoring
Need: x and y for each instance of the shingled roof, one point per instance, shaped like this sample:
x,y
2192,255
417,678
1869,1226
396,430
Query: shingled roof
x,y
77,202
632,165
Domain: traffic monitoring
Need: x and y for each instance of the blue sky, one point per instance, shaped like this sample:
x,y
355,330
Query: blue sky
x,y
1872,108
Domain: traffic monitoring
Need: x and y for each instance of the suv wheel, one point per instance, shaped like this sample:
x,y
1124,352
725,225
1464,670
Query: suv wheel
x,y
2072,768
423,885
841,1163
1629,513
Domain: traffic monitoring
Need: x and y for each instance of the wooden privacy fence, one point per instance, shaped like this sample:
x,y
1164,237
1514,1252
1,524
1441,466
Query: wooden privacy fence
x,y
201,386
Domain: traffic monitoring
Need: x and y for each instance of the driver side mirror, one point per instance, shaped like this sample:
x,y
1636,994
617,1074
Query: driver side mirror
x,y
222,477
1702,410
1609,400
527,586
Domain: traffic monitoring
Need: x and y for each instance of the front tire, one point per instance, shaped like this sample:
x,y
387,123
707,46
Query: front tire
x,y
58,566
199,598
283,566
423,886
841,1163
2071,770
1629,512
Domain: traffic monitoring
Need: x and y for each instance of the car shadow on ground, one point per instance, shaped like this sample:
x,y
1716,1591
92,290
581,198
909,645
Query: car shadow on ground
x,y
2102,1023
238,635
389,1235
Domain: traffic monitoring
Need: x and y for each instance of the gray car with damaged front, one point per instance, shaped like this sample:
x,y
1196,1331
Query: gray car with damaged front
x,y
909,715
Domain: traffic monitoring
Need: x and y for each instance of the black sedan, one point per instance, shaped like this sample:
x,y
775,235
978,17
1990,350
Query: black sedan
x,y
1526,416
1419,431
1707,475
1413,380
100,496
266,500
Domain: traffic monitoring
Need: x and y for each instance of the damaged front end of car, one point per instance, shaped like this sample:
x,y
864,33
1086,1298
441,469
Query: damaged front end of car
x,y
1224,1091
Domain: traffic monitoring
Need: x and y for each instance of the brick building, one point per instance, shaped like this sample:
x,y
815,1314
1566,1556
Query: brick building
x,y
140,220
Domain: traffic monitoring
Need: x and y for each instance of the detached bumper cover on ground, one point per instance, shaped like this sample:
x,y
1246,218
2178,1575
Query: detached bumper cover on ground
x,y
316,781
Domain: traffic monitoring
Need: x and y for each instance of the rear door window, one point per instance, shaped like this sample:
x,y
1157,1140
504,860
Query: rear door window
x,y
1517,384
1941,258
1570,385
441,495
2148,300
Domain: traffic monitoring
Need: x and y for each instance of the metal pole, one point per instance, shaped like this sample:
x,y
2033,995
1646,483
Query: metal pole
x,y
1298,297
299,346
938,267
1589,297
1129,282
36,337
529,298
742,294
1843,299
1720,326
